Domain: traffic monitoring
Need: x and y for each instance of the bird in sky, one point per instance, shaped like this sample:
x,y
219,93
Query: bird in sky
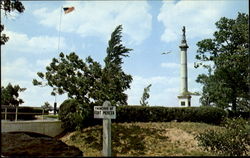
x,y
165,52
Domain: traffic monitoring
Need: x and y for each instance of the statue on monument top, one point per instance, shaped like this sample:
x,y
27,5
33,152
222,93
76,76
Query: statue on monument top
x,y
183,35
183,30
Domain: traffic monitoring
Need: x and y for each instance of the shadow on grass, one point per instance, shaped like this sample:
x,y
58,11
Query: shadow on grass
x,y
131,139
125,139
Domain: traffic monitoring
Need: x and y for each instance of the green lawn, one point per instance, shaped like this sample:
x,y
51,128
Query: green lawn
x,y
51,116
143,139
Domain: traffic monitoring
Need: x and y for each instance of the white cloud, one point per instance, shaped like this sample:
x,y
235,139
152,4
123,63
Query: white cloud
x,y
171,65
199,18
22,43
100,18
163,90
19,68
20,72
34,95
9,16
43,63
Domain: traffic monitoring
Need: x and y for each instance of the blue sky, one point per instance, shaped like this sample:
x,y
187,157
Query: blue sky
x,y
149,28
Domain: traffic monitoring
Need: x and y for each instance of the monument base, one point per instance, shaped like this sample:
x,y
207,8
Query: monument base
x,y
184,100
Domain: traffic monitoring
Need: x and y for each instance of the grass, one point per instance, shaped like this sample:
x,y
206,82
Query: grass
x,y
143,139
51,116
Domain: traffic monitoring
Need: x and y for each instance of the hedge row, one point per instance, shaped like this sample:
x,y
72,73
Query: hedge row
x,y
75,116
211,115
23,109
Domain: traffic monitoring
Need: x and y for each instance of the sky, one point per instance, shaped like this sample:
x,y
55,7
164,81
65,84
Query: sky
x,y
149,28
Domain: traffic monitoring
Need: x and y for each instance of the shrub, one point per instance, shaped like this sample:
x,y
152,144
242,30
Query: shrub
x,y
75,115
210,115
69,115
232,141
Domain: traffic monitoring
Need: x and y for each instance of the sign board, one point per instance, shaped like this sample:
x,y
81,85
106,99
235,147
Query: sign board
x,y
105,112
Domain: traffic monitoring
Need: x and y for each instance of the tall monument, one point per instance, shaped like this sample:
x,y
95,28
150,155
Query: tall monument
x,y
184,98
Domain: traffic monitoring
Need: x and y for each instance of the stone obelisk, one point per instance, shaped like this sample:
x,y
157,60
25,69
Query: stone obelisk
x,y
184,97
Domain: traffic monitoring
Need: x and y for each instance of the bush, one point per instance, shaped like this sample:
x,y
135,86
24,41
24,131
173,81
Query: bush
x,y
75,115
232,141
69,114
210,115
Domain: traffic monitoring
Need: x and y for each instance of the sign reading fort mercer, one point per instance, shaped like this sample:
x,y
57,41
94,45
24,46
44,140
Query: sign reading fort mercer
x,y
105,112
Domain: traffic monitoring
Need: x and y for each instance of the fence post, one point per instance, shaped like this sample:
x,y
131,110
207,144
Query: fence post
x,y
5,114
55,108
16,113
42,114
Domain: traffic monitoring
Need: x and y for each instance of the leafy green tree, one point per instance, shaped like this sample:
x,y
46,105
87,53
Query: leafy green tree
x,y
87,83
227,83
47,106
114,79
145,96
9,6
10,94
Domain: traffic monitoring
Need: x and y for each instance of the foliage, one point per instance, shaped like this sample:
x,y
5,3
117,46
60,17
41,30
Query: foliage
x,y
87,82
114,81
227,83
10,94
75,115
232,142
166,114
70,114
47,106
9,6
145,96
242,114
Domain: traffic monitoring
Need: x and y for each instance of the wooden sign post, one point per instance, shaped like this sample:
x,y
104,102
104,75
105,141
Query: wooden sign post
x,y
106,112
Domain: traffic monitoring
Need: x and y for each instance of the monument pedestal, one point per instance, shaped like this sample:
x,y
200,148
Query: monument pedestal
x,y
184,100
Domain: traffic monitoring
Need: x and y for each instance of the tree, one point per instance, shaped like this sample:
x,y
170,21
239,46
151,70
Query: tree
x,y
227,83
10,94
47,106
114,79
145,96
87,81
9,6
